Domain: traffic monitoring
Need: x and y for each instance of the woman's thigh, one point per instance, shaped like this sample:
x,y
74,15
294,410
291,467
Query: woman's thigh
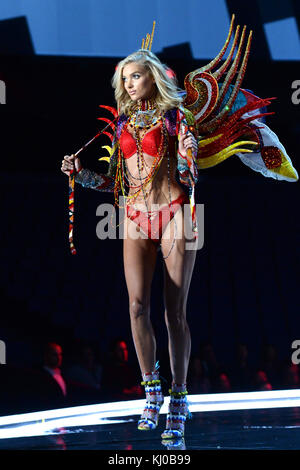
x,y
139,264
178,264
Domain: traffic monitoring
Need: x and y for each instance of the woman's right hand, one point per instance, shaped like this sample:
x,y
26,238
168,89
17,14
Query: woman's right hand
x,y
68,164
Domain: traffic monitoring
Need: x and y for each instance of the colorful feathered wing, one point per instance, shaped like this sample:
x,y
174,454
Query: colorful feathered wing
x,y
228,117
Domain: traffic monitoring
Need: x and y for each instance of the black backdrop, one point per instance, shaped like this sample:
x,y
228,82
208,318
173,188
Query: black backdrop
x,y
246,279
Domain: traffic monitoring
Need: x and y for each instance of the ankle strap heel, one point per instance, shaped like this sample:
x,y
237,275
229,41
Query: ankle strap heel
x,y
154,401
177,415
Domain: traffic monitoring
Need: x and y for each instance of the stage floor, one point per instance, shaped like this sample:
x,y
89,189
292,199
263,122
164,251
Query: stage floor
x,y
88,428
255,429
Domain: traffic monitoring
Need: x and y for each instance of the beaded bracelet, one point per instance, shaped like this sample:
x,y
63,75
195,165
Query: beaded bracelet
x,y
150,382
177,394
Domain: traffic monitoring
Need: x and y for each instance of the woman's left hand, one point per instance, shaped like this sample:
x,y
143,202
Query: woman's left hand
x,y
187,141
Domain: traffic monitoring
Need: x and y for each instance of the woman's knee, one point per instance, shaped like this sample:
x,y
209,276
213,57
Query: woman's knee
x,y
139,309
175,316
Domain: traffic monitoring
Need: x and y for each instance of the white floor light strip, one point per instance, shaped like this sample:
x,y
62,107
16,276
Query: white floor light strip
x,y
50,421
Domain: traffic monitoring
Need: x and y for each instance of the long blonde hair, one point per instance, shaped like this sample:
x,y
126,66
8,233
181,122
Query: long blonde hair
x,y
167,91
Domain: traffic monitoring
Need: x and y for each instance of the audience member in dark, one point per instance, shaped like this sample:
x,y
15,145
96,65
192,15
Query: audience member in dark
x,y
120,379
209,361
84,371
222,383
241,373
198,382
51,388
290,375
261,381
271,365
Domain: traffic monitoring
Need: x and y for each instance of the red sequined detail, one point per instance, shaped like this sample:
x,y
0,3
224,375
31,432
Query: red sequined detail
x,y
271,157
150,142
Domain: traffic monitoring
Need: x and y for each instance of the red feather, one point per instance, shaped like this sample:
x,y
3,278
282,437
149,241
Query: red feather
x,y
110,108
109,135
111,123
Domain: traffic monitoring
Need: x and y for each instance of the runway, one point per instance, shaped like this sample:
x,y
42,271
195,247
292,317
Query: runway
x,y
233,421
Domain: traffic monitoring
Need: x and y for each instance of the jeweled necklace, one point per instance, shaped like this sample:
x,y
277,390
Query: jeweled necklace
x,y
145,115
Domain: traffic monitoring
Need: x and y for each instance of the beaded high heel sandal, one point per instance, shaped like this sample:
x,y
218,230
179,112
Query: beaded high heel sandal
x,y
154,401
178,412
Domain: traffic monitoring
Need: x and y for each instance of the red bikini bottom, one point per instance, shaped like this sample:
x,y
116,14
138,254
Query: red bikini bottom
x,y
153,223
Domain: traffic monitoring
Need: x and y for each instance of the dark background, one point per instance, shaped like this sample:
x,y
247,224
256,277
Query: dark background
x,y
245,287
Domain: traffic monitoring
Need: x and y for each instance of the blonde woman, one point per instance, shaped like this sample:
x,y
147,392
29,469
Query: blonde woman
x,y
152,138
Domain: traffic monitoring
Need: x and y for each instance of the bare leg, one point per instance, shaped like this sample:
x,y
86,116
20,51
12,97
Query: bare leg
x,y
177,273
177,276
139,264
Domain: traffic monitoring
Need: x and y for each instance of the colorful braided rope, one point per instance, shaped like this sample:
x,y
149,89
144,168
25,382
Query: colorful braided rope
x,y
71,210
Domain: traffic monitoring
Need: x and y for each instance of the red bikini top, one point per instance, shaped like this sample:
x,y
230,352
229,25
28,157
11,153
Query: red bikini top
x,y
150,142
